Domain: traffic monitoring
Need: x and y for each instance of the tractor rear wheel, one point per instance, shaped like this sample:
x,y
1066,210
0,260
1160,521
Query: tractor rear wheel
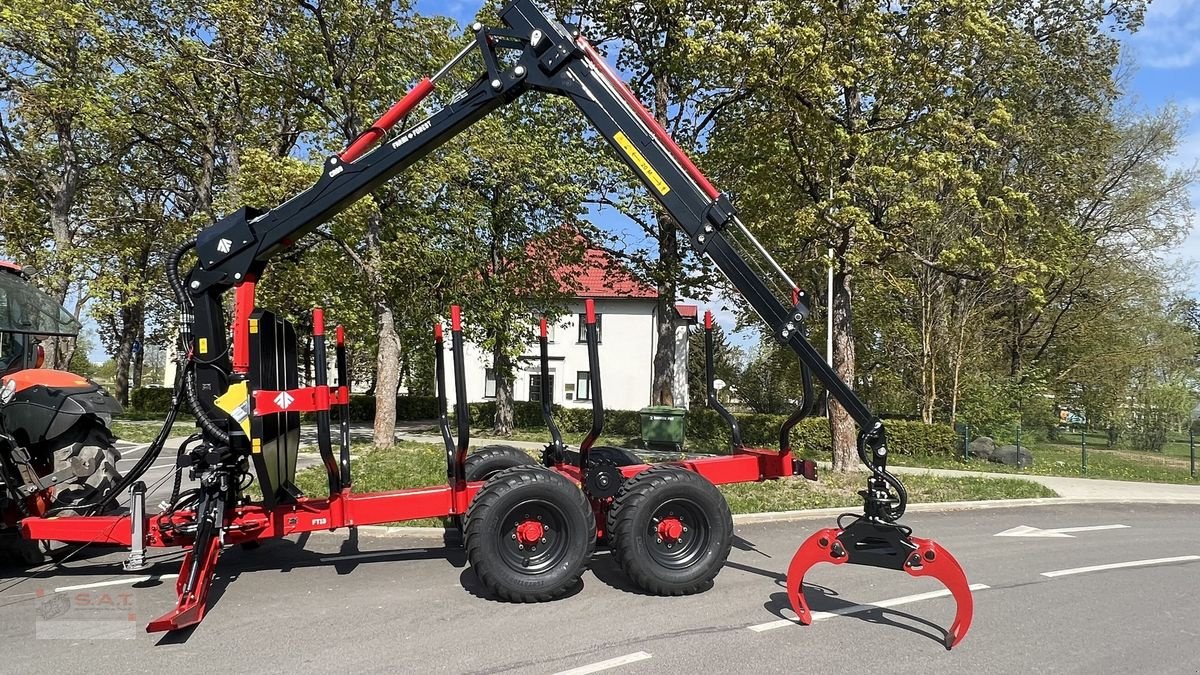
x,y
492,459
20,552
530,534
671,530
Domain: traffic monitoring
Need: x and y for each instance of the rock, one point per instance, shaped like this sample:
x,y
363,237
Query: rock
x,y
982,448
1012,455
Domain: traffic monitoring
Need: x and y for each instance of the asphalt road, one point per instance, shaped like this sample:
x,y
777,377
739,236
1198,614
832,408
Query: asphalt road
x,y
409,605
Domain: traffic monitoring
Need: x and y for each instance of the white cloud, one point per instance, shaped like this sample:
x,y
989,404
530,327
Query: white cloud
x,y
1169,39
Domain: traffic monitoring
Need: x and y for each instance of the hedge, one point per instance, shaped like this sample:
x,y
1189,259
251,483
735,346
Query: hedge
x,y
150,399
912,438
812,435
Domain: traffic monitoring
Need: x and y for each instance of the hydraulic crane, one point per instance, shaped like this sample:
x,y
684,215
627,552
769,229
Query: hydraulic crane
x,y
244,401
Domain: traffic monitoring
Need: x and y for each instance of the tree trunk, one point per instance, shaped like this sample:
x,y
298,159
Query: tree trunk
x,y
124,355
139,363
387,359
841,426
663,389
502,366
387,375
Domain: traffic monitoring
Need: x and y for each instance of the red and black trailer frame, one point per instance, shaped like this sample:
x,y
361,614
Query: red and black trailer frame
x,y
531,52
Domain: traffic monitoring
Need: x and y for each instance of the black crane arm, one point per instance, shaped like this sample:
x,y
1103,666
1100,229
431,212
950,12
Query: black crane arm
x,y
532,52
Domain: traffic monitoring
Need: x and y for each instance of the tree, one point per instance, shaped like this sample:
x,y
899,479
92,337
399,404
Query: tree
x,y
888,123
675,57
529,168
56,115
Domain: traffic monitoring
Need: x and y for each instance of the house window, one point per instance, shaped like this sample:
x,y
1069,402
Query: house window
x,y
535,388
489,383
583,386
583,328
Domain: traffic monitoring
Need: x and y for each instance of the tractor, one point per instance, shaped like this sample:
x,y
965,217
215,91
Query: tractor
x,y
57,451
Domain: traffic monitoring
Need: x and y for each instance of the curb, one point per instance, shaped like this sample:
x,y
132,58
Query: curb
x,y
808,514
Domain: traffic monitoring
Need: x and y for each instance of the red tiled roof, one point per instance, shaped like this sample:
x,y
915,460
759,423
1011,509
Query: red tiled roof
x,y
688,311
601,276
598,275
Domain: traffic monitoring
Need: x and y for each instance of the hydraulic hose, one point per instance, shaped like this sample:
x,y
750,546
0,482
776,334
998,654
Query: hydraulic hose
x,y
188,382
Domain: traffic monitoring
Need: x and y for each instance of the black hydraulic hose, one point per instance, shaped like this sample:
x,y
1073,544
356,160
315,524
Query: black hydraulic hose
x,y
185,336
807,403
879,473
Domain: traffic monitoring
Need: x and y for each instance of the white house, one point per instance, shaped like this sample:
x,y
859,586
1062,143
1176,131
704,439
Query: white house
x,y
626,312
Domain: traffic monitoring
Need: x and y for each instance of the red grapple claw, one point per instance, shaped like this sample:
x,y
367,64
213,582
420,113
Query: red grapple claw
x,y
815,549
931,560
928,559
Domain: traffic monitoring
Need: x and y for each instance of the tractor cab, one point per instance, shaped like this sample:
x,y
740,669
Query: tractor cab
x,y
27,316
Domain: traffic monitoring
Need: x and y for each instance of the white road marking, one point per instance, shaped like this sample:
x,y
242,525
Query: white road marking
x,y
854,609
376,554
605,665
117,582
1089,528
1027,531
1113,566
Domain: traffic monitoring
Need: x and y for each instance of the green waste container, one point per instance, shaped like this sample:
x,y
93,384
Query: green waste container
x,y
663,427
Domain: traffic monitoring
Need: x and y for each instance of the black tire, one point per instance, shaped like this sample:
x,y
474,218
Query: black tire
x,y
564,530
492,459
20,552
641,521
605,453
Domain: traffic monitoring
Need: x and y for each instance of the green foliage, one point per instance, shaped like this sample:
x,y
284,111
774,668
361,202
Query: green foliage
x,y
1159,409
151,399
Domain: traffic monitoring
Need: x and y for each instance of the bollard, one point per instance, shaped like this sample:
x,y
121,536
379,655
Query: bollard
x,y
1083,447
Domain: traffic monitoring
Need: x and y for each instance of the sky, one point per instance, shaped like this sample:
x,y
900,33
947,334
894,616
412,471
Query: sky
x,y
1165,56
1164,68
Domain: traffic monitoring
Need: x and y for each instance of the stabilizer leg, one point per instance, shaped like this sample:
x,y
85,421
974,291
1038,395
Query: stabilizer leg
x,y
196,573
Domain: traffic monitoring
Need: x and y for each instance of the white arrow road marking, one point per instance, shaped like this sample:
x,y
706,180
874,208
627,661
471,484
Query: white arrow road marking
x,y
605,665
1113,566
854,609
117,582
1027,531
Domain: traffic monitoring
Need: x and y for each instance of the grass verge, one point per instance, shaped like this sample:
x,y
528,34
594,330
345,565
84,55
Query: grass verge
x,y
409,465
1056,460
144,432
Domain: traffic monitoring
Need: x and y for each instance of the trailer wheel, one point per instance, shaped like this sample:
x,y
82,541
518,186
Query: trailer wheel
x,y
492,459
671,530
530,534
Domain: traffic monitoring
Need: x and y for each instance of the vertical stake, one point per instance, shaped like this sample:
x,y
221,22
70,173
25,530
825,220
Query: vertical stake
x,y
1083,447
1192,447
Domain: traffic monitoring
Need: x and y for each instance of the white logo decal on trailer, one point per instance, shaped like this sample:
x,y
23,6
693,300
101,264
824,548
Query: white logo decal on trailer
x,y
283,400
224,245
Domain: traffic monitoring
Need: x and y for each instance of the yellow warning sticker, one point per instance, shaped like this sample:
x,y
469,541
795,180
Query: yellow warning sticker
x,y
203,345
256,446
254,325
639,160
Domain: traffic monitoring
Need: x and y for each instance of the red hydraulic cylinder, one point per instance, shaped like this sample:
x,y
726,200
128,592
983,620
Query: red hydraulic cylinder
x,y
382,125
243,306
